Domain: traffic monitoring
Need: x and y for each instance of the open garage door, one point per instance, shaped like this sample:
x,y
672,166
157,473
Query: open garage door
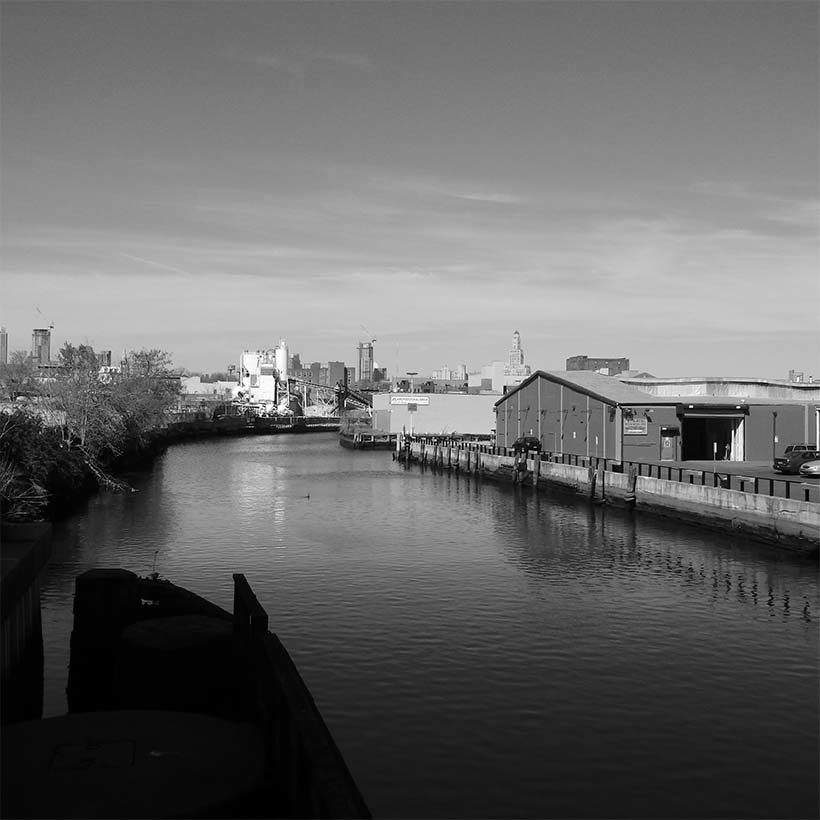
x,y
708,433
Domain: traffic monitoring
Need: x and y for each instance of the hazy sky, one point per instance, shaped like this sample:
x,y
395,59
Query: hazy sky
x,y
609,178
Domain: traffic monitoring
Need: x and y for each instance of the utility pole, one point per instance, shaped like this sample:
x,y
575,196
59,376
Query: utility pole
x,y
774,434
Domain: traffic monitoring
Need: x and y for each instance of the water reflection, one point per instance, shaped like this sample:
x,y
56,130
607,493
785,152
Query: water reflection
x,y
556,534
480,649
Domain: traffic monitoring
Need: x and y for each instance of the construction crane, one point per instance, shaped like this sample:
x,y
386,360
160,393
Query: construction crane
x,y
50,324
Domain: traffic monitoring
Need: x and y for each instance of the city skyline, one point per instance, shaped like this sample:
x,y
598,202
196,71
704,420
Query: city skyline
x,y
630,179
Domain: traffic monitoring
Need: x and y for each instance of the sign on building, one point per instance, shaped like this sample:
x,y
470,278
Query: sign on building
x,y
636,426
411,399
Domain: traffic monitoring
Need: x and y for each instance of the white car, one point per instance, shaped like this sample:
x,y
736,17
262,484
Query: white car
x,y
810,469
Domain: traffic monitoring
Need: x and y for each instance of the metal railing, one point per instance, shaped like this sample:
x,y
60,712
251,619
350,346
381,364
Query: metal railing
x,y
775,487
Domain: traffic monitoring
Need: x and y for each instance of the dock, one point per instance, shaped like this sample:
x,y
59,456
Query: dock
x,y
719,500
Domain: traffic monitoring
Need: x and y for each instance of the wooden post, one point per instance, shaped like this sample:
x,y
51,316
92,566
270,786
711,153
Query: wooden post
x,y
631,484
536,471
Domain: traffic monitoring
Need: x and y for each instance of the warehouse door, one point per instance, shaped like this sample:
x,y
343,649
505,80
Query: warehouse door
x,y
704,437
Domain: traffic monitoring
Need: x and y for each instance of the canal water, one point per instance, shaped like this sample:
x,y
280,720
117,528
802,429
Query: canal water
x,y
479,650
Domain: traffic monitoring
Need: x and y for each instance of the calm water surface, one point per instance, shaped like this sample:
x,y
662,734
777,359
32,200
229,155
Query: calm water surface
x,y
480,651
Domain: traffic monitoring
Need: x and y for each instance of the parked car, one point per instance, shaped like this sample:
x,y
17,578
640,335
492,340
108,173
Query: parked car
x,y
527,443
790,463
810,469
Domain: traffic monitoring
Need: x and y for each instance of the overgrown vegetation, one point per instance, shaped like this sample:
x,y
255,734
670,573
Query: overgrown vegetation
x,y
74,424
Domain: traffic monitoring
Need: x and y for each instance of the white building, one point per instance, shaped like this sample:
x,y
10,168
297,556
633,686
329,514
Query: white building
x,y
263,376
194,386
435,414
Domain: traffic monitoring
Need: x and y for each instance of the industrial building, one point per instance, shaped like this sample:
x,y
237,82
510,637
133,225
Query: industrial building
x,y
434,414
608,367
589,414
743,387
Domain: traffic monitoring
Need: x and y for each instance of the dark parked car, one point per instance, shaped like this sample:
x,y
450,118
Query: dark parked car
x,y
794,457
792,447
527,443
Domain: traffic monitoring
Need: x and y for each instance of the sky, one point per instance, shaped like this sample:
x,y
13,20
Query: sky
x,y
633,179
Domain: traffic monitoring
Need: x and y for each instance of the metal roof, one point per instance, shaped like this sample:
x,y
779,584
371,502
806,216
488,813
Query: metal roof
x,y
634,378
608,389
747,400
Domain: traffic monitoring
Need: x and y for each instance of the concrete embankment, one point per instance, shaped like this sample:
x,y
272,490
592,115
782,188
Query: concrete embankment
x,y
790,523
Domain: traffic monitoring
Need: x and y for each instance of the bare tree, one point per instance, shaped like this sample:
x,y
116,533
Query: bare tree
x,y
91,420
18,375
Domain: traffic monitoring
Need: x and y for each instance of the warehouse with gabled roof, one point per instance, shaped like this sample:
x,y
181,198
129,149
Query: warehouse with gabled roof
x,y
588,414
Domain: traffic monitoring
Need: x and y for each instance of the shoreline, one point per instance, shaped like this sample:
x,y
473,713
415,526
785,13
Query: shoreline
x,y
788,524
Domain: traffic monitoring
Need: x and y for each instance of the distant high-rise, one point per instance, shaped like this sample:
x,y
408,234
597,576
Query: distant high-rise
x,y
515,361
365,361
104,358
516,353
41,345
4,346
335,373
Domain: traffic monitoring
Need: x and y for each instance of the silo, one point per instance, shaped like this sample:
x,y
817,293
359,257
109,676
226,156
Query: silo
x,y
281,355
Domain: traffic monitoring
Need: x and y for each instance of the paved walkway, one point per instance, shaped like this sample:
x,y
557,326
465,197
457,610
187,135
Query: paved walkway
x,y
768,481
756,469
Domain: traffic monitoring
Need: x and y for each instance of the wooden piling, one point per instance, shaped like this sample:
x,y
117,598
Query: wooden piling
x,y
631,484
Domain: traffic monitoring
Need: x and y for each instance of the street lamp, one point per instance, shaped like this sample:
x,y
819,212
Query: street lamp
x,y
774,434
411,409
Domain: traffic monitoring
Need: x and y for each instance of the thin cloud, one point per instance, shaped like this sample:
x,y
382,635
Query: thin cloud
x,y
500,199
298,62
439,187
802,214
159,265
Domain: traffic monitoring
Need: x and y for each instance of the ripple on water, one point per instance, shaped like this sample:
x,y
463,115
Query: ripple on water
x,y
480,651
